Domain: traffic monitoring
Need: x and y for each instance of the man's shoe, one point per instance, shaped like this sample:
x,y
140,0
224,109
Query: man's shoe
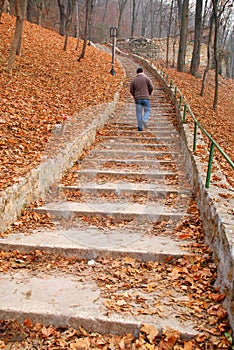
x,y
140,129
144,124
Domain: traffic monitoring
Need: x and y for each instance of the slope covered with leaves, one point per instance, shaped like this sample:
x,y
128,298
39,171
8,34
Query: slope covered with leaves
x,y
47,83
220,123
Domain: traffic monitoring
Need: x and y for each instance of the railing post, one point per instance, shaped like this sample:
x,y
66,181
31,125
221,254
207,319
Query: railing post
x,y
184,114
195,137
181,99
210,165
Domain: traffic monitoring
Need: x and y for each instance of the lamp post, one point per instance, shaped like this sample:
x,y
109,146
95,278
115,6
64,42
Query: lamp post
x,y
89,31
113,35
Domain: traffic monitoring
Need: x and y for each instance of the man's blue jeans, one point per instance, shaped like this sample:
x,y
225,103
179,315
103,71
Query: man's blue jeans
x,y
142,105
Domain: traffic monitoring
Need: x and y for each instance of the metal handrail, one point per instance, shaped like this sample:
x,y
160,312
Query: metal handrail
x,y
196,126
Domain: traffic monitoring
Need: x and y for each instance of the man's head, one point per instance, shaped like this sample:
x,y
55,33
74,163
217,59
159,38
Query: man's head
x,y
139,70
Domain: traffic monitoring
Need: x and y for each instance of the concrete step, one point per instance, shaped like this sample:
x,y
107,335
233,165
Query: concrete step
x,y
96,243
149,189
117,211
135,154
141,140
78,299
134,146
130,173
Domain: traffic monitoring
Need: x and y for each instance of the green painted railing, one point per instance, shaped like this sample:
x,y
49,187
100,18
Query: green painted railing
x,y
186,109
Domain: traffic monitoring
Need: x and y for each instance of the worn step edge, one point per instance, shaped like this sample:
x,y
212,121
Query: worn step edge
x,y
131,188
93,253
117,214
129,161
113,324
155,174
139,152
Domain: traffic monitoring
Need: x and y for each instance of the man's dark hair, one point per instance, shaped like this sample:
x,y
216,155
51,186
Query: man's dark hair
x,y
139,70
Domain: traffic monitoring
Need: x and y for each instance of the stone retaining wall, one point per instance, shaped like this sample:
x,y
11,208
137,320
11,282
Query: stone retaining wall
x,y
155,49
60,154
215,204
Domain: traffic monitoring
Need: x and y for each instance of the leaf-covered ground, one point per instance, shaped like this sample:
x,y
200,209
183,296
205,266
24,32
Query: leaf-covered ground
x,y
47,83
220,123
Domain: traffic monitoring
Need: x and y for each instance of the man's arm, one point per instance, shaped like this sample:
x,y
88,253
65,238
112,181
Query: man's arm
x,y
132,89
150,86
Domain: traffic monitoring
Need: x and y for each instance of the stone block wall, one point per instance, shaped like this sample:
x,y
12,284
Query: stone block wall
x,y
60,154
155,49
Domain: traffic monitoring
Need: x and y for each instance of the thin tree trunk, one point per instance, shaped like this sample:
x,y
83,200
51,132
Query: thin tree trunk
x,y
1,8
195,63
169,33
160,20
62,16
133,17
69,14
179,5
105,11
121,7
88,13
216,59
209,49
77,25
17,35
183,37
23,12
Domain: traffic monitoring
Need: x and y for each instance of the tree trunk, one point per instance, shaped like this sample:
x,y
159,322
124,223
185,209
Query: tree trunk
x,y
216,59
16,43
121,6
179,5
69,15
40,8
195,63
105,11
23,12
88,13
183,37
62,17
169,32
133,17
209,49
77,26
1,8
160,20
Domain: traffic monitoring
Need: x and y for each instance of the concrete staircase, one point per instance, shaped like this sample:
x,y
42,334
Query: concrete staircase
x,y
118,209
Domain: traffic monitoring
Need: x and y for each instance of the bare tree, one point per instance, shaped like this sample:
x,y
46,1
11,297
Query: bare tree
x,y
209,52
195,63
62,14
69,14
20,9
121,7
133,17
169,32
77,25
183,36
145,9
105,11
2,2
88,13
218,9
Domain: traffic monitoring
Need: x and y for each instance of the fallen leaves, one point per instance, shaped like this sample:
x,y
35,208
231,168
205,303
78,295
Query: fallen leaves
x,y
47,83
219,124
37,336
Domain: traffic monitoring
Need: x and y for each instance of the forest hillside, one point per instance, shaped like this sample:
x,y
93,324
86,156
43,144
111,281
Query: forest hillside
x,y
46,83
